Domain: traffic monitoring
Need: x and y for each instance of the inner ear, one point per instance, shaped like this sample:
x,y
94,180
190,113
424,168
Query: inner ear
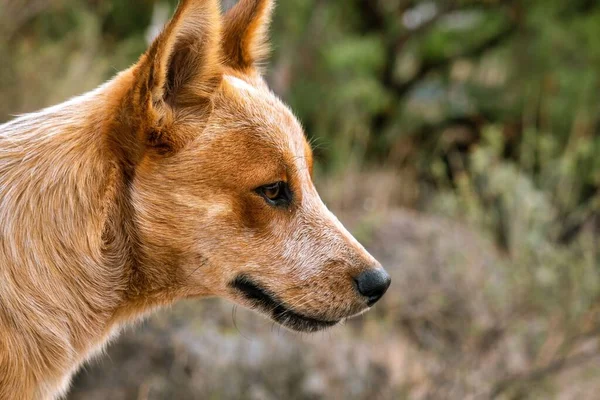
x,y
192,73
178,75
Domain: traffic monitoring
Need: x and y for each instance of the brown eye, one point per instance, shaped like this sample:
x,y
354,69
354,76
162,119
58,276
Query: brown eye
x,y
272,192
276,194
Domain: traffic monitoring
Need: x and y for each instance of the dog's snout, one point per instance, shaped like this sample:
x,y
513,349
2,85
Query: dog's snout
x,y
373,283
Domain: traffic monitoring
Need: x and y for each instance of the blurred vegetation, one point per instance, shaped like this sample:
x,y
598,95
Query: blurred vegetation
x,y
485,111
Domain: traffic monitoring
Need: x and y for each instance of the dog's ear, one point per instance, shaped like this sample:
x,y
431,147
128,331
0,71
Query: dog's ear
x,y
183,62
181,69
245,29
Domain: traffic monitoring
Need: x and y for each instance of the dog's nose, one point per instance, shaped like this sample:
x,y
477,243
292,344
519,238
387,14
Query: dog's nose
x,y
372,284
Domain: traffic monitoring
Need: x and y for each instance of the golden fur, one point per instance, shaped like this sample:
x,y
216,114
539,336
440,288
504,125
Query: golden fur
x,y
142,192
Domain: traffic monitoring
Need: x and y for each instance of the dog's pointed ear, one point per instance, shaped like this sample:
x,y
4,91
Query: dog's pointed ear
x,y
181,69
183,64
245,31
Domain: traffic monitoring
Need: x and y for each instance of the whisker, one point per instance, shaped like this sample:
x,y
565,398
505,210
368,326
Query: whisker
x,y
233,318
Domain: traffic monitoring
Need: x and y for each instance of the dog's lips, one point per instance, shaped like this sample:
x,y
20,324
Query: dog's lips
x,y
267,302
299,322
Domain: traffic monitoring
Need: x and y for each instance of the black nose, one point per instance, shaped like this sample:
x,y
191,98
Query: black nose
x,y
372,284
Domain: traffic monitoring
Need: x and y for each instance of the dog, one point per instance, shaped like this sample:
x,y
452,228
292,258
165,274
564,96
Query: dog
x,y
184,176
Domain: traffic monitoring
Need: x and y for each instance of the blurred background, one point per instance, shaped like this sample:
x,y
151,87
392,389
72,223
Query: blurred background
x,y
458,139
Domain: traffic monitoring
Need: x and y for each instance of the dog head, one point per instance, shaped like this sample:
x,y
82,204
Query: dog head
x,y
223,198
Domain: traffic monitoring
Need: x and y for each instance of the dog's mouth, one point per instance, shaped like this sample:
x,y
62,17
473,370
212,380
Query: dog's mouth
x,y
276,309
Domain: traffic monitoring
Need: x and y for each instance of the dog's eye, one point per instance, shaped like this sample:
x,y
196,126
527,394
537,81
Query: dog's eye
x,y
276,194
272,192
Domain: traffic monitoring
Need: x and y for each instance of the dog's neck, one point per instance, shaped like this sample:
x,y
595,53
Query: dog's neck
x,y
149,283
64,204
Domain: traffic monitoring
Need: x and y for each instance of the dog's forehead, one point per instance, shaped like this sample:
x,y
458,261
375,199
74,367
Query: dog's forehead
x,y
259,108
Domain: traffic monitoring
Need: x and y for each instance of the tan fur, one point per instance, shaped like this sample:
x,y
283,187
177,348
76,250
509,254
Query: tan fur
x,y
142,192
